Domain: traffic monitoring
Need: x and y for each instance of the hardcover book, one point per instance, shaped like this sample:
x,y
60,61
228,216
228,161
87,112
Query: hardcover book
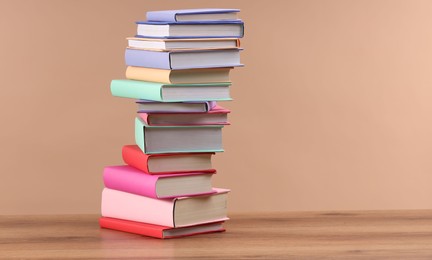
x,y
157,231
177,212
129,179
206,29
182,44
185,59
177,139
167,163
209,14
148,106
187,76
216,116
170,92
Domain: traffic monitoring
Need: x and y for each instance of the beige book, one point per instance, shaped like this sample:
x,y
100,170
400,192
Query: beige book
x,y
209,75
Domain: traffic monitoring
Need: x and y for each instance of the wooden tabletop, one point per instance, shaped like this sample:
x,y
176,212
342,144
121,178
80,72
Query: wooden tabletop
x,y
313,235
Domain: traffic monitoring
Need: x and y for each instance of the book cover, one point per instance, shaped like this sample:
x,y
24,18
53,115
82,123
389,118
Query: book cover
x,y
163,59
146,117
160,44
157,231
134,156
185,106
140,139
171,15
129,179
152,90
238,23
186,76
128,206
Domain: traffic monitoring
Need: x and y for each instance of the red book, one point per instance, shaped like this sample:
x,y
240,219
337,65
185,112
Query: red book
x,y
157,231
167,163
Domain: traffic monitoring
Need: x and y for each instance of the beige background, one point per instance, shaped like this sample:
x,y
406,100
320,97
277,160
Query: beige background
x,y
332,111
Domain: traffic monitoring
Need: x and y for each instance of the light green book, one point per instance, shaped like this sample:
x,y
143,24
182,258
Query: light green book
x,y
170,92
178,139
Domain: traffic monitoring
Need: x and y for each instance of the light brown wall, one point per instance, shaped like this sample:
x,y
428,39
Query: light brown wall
x,y
332,111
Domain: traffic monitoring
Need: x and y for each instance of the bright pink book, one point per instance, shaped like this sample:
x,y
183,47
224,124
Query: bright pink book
x,y
129,179
217,116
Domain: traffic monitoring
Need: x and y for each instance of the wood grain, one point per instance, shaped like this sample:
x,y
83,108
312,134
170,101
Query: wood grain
x,y
310,235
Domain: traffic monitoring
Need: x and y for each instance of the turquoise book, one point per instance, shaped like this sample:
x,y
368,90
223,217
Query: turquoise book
x,y
161,92
177,139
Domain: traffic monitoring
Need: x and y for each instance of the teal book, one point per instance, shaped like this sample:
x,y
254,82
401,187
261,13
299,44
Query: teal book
x,y
178,139
161,92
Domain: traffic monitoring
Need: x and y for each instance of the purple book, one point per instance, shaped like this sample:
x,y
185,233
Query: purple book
x,y
190,59
192,14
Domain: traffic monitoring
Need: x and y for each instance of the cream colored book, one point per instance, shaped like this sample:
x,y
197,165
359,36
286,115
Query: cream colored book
x,y
210,75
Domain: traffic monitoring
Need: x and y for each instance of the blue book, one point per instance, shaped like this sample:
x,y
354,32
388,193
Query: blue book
x,y
209,14
179,30
188,59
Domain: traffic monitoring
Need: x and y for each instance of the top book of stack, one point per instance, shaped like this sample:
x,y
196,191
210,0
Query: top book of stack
x,y
191,15
191,23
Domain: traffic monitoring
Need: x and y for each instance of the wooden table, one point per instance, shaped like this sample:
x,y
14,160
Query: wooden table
x,y
313,235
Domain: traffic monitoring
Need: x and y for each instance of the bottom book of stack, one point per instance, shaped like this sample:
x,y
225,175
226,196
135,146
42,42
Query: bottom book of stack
x,y
158,231
161,206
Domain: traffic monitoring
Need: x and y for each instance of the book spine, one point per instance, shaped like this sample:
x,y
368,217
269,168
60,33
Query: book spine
x,y
242,31
210,105
148,59
130,227
139,134
131,180
123,205
161,16
136,89
133,156
147,74
144,117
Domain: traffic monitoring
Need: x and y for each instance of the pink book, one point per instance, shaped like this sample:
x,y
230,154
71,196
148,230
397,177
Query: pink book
x,y
176,212
129,179
217,116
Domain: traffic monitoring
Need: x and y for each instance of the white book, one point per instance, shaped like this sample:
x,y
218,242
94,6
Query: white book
x,y
175,44
203,29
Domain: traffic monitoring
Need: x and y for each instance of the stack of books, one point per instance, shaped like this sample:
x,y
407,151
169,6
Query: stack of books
x,y
178,67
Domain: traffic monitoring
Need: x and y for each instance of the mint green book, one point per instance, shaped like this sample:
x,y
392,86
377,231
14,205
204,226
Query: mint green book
x,y
170,92
178,139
